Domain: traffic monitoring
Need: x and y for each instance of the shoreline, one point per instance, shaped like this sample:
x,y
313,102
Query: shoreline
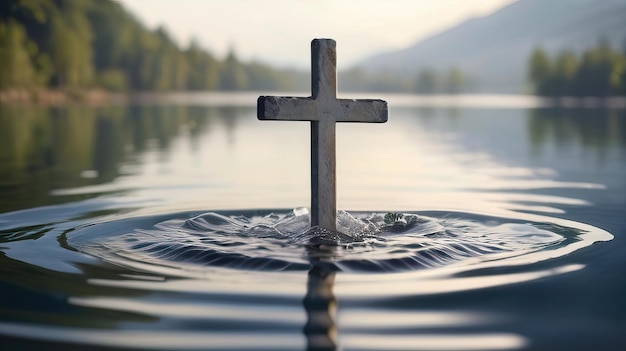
x,y
101,97
54,97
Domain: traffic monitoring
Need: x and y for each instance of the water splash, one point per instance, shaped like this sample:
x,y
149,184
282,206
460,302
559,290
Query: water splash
x,y
364,242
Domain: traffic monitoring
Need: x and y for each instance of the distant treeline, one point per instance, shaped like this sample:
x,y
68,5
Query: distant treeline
x,y
77,44
425,81
599,71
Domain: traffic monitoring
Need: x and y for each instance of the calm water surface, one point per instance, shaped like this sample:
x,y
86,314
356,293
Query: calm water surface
x,y
470,223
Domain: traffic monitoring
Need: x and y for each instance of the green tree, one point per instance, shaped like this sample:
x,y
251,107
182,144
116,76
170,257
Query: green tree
x,y
203,71
539,70
427,82
618,75
565,69
233,75
454,81
596,68
112,29
172,68
23,63
32,14
69,44
17,69
140,65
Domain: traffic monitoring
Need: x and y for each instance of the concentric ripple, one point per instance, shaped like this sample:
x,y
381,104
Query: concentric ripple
x,y
364,242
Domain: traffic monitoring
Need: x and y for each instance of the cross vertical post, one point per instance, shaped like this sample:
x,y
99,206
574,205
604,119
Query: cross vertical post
x,y
323,110
323,155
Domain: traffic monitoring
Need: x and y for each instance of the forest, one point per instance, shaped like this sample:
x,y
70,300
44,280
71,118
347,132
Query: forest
x,y
599,71
77,44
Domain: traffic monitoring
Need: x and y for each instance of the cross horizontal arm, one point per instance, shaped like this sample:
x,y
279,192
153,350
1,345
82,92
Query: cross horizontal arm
x,y
286,108
307,109
350,110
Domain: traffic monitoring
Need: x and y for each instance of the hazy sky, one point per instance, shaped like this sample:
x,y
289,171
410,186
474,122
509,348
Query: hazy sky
x,y
279,31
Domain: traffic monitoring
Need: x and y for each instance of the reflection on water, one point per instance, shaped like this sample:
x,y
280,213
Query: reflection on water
x,y
598,128
502,260
48,148
320,305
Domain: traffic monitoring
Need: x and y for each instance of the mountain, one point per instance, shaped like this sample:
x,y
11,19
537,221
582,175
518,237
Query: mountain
x,y
493,50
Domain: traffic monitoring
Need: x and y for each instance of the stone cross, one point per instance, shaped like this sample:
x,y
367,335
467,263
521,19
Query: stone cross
x,y
323,109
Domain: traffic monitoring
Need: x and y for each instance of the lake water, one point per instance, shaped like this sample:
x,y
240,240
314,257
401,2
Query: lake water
x,y
467,223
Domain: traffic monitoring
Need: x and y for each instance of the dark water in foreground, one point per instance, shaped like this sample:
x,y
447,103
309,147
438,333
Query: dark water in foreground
x,y
474,224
